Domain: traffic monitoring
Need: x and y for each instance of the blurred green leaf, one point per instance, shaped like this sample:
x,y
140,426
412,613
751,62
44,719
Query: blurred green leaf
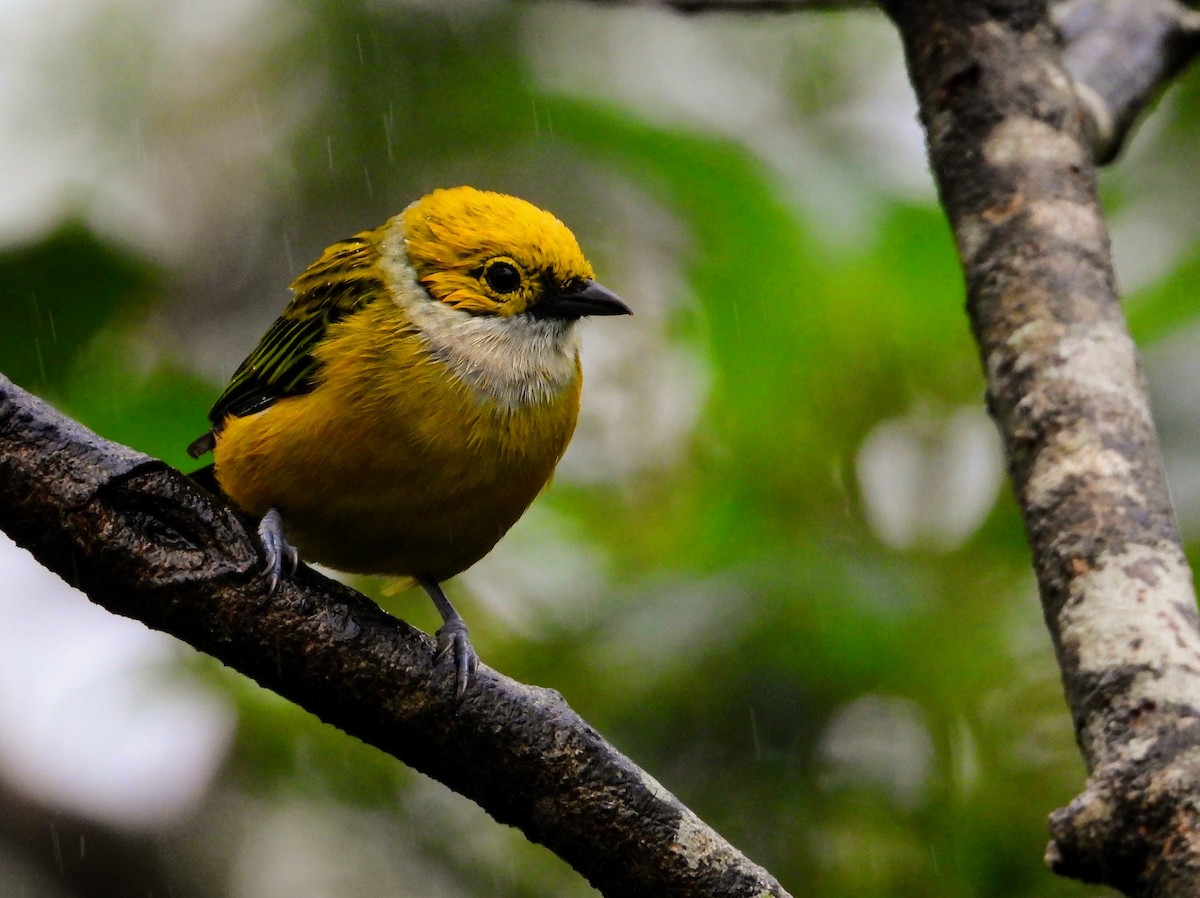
x,y
56,294
1166,306
138,396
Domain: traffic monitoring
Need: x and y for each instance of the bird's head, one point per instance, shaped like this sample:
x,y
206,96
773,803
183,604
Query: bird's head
x,y
491,254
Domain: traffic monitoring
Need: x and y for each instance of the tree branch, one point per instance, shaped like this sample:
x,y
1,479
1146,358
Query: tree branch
x,y
1065,387
143,541
1120,53
747,6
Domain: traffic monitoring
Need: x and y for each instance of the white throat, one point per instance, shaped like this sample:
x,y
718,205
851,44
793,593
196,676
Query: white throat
x,y
515,361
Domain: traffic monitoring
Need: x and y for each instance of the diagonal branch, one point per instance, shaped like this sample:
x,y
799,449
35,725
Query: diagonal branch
x,y
1065,387
142,541
1121,54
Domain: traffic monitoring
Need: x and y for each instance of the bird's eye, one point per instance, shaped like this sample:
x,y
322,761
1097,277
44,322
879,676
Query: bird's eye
x,y
502,277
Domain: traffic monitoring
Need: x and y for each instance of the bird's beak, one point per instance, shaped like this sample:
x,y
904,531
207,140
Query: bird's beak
x,y
589,298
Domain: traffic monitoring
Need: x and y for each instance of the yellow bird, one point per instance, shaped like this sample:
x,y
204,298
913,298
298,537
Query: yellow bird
x,y
414,397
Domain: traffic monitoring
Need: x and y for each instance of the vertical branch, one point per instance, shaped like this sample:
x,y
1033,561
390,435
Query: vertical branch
x,y
1065,387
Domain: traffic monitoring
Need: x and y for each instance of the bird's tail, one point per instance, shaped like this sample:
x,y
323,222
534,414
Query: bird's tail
x,y
207,478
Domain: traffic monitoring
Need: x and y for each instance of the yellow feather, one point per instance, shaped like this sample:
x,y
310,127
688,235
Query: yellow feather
x,y
437,411
446,246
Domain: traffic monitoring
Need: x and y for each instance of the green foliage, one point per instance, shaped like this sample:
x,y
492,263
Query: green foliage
x,y
752,626
56,295
154,405
282,748
1168,305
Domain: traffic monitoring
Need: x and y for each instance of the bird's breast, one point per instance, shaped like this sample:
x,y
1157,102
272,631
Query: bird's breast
x,y
415,453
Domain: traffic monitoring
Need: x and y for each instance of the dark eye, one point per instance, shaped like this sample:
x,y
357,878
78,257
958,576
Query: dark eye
x,y
502,277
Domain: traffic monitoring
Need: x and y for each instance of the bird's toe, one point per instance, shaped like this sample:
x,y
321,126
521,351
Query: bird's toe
x,y
453,641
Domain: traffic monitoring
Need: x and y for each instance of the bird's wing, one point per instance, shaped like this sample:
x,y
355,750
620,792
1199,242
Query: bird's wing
x,y
342,281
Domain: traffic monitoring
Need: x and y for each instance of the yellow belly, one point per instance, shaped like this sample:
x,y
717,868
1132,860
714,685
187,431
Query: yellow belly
x,y
392,465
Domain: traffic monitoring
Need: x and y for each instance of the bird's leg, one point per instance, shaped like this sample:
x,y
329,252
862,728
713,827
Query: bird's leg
x,y
279,551
452,637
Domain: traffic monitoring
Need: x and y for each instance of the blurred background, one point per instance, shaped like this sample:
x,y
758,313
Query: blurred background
x,y
779,567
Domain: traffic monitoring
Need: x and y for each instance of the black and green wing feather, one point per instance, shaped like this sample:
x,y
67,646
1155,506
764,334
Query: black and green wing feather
x,y
342,281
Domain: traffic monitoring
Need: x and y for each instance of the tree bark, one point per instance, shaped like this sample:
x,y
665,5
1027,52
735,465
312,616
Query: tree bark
x,y
1014,125
1014,169
143,541
1120,53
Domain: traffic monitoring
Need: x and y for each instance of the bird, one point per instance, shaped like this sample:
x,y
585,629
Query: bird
x,y
413,398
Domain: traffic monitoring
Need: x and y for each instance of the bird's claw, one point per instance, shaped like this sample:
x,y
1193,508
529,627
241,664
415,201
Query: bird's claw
x,y
453,641
280,554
